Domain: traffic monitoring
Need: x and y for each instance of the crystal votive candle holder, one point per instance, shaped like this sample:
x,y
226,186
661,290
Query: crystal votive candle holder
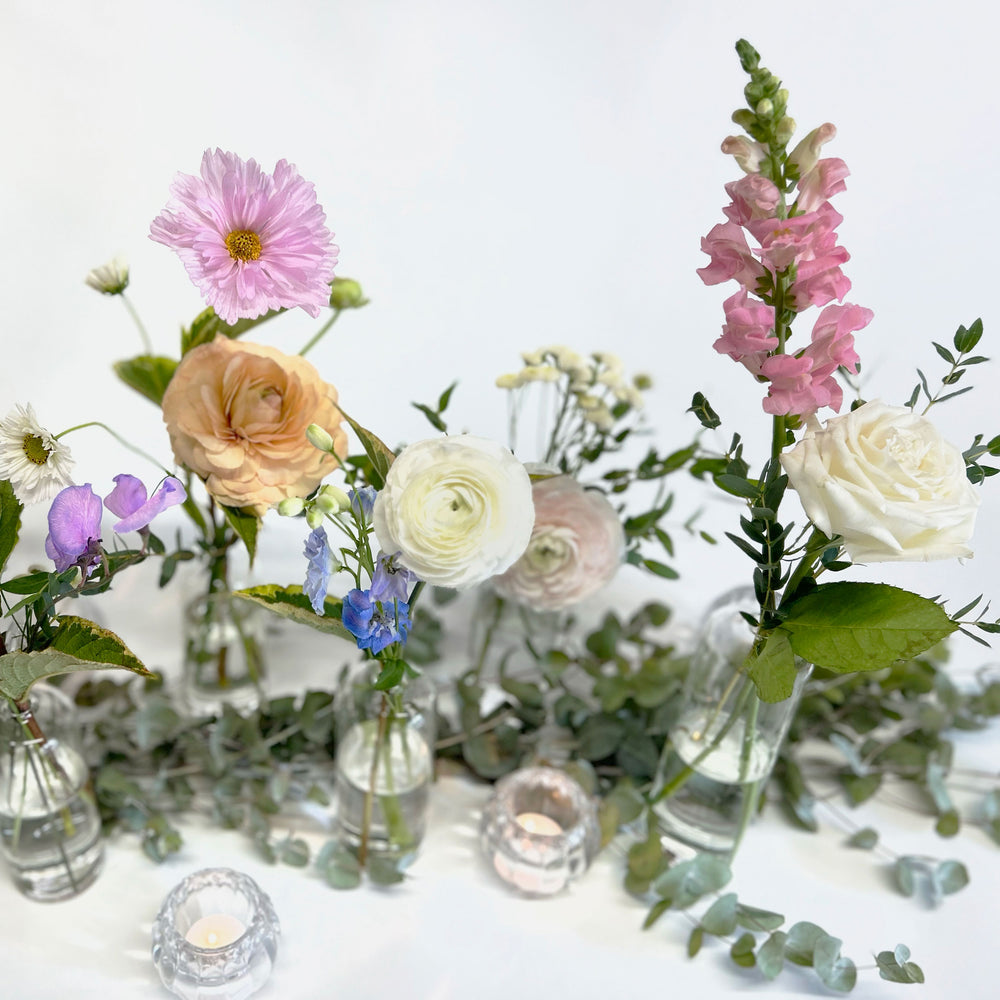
x,y
539,831
215,937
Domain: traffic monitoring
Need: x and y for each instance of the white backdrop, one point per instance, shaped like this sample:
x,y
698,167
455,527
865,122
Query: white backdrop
x,y
499,176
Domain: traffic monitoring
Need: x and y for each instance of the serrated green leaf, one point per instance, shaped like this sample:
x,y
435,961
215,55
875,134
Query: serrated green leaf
x,y
246,525
773,671
292,603
19,670
846,627
147,375
10,521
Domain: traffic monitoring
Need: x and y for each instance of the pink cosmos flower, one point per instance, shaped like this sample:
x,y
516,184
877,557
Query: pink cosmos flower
x,y
727,245
821,183
250,241
754,197
748,333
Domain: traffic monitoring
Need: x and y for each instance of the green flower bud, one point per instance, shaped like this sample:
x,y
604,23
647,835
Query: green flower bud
x,y
784,130
346,293
642,381
291,506
319,438
744,117
765,108
314,518
334,498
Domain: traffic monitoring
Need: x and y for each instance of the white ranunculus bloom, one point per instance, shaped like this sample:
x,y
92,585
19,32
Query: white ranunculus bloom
x,y
885,480
458,509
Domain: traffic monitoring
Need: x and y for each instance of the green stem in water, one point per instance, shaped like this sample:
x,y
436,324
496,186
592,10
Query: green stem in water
x,y
369,804
320,334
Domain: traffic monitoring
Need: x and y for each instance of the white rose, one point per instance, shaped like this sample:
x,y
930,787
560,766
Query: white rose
x,y
457,508
885,480
576,547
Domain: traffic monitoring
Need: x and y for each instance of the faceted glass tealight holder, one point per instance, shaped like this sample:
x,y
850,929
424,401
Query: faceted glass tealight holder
x,y
540,830
215,937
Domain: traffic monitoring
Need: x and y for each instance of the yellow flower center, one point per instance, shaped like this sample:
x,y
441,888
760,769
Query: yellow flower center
x,y
34,449
243,244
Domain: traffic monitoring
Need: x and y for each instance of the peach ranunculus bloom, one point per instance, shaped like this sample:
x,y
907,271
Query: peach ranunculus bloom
x,y
237,415
576,547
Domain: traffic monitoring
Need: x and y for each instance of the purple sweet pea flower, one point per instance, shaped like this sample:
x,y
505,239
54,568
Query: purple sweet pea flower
x,y
128,500
391,580
373,624
75,529
317,551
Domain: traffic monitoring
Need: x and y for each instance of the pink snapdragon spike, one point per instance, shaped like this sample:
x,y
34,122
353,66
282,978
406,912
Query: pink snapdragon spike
x,y
754,197
748,333
75,529
784,242
727,245
129,501
806,153
821,183
748,155
250,241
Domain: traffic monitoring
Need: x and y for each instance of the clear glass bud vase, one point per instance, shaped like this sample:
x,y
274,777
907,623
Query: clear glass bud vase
x,y
726,740
223,654
384,763
50,830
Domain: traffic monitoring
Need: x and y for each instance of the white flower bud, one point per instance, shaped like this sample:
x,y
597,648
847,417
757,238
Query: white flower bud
x,y
319,438
336,496
291,506
540,373
533,357
509,382
110,278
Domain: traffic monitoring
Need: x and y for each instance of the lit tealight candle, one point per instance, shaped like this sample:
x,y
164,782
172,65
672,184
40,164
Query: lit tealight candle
x,y
539,823
215,930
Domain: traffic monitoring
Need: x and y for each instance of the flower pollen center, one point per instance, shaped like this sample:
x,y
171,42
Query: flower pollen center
x,y
35,450
243,244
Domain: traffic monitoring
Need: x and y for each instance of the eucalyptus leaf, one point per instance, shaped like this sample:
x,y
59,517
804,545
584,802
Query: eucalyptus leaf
x,y
720,918
951,876
836,971
742,951
771,955
688,881
754,919
895,967
865,839
801,942
292,603
845,627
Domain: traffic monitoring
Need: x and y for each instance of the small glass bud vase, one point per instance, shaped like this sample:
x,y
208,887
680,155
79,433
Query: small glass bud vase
x,y
50,830
384,763
726,740
215,937
223,654
539,831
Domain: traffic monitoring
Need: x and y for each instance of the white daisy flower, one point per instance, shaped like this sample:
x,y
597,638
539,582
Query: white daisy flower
x,y
110,278
35,463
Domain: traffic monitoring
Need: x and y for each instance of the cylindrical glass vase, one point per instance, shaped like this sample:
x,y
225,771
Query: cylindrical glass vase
x,y
384,763
223,654
726,740
50,830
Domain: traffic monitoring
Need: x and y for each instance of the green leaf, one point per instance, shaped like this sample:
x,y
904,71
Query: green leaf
x,y
685,883
836,971
845,627
600,736
246,525
292,603
340,868
30,583
148,375
10,521
379,455
742,951
773,670
771,955
660,569
865,839
656,911
895,967
754,919
294,852
737,486
801,941
702,409
436,422
206,325
77,645
720,918
951,876
695,941
390,675
385,870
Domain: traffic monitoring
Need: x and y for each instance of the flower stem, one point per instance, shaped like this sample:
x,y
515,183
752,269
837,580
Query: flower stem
x,y
118,438
146,342
369,804
320,333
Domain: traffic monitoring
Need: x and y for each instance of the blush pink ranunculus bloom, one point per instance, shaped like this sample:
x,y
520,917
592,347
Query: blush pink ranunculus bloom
x,y
576,547
237,415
